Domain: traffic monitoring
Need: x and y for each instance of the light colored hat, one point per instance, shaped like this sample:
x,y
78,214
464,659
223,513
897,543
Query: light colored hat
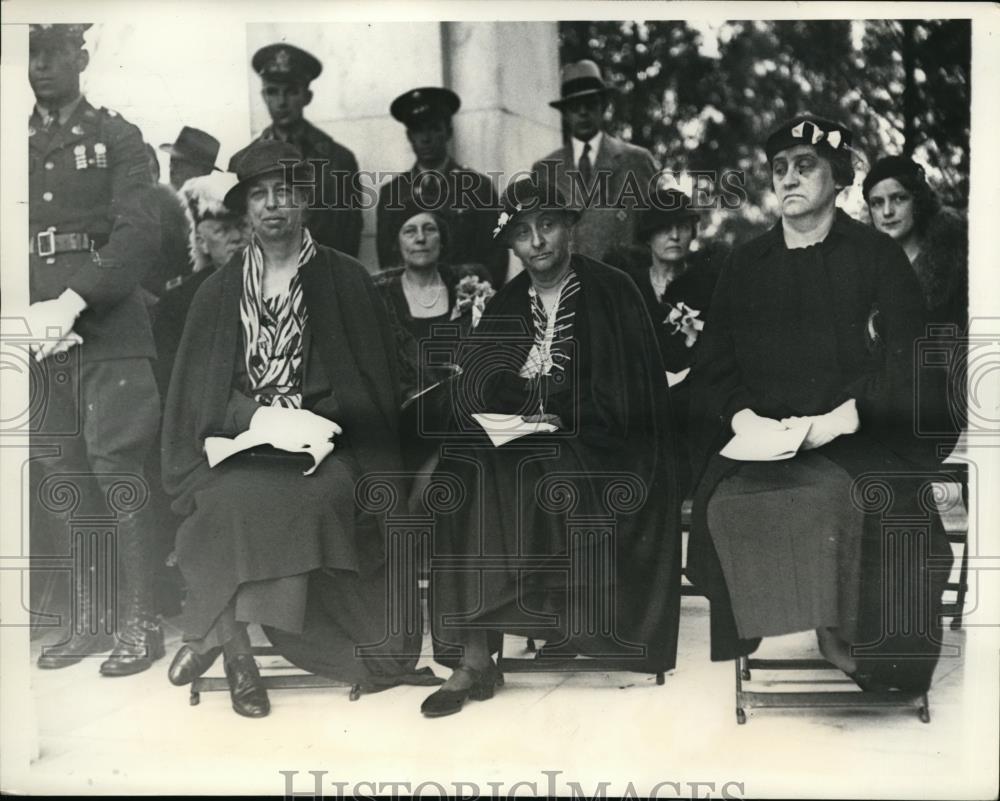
x,y
580,79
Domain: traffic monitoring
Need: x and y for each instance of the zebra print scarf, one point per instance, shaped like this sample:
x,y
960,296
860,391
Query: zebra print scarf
x,y
548,351
272,330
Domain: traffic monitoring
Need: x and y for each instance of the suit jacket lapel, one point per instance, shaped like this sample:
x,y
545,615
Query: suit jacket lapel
x,y
608,155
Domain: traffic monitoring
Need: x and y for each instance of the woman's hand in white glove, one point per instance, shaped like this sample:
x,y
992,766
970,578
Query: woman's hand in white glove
x,y
824,428
294,429
746,421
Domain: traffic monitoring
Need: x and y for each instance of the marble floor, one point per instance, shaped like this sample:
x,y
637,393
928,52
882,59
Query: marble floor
x,y
139,735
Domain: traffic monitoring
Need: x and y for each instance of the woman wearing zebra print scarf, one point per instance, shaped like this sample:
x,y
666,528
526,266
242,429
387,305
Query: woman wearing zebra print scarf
x,y
291,341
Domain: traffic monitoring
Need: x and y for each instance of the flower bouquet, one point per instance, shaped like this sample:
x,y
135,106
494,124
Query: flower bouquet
x,y
471,294
685,321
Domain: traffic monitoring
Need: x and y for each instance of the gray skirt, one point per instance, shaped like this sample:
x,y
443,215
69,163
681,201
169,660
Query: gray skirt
x,y
789,543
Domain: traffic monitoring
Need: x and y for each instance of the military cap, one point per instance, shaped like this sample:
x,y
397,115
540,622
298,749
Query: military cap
x,y
807,129
426,102
261,157
529,195
58,33
286,63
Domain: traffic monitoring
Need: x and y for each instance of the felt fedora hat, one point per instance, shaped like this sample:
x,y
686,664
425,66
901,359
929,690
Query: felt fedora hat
x,y
580,79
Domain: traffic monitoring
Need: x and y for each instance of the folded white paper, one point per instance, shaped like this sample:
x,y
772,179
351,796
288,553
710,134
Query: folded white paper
x,y
218,449
673,379
503,428
766,446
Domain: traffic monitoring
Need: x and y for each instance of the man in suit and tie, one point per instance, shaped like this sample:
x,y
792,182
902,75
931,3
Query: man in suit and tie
x,y
607,179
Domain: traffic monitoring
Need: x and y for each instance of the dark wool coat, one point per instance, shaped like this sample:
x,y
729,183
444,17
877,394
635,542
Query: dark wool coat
x,y
610,464
783,347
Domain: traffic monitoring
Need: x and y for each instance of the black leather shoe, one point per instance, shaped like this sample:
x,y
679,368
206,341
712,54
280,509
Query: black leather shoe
x,y
189,665
140,645
75,650
246,687
448,702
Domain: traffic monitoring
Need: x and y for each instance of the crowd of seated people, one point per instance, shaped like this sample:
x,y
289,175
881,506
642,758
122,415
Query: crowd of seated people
x,y
578,406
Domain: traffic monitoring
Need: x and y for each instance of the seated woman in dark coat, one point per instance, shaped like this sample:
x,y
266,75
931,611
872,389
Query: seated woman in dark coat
x,y
290,341
936,240
579,515
429,301
813,324
676,284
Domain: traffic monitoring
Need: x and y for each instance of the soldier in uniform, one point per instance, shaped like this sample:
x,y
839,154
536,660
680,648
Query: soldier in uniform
x,y
334,217
93,231
466,199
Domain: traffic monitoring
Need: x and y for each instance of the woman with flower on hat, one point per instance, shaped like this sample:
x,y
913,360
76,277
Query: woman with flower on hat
x,y
811,341
580,512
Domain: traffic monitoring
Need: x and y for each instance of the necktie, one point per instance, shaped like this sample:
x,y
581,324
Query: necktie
x,y
586,171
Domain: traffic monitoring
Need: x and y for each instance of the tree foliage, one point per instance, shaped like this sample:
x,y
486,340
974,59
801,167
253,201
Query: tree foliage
x,y
704,98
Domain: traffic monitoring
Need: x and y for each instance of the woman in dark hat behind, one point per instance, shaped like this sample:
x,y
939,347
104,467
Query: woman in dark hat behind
x,y
936,240
676,284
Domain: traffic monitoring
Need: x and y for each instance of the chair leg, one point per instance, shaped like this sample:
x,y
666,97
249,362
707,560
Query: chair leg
x,y
741,715
963,586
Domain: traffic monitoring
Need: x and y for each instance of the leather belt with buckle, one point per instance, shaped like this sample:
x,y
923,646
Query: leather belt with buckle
x,y
49,243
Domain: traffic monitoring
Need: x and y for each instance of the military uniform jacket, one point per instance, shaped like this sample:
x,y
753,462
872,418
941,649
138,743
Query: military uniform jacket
x,y
90,175
335,216
621,172
468,202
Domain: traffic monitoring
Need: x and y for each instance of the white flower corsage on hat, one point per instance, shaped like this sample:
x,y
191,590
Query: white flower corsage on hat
x,y
504,218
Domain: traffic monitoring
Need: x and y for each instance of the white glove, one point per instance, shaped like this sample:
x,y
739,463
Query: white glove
x,y
294,429
51,323
746,421
824,428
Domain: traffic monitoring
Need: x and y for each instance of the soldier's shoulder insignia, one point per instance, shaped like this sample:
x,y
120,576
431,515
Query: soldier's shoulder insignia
x,y
90,114
173,283
110,112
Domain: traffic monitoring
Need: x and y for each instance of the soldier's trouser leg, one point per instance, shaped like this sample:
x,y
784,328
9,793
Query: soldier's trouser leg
x,y
63,520
122,413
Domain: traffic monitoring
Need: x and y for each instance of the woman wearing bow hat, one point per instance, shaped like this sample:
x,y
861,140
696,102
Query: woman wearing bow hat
x,y
811,340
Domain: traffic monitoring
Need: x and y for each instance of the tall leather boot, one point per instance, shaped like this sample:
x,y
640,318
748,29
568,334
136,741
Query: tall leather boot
x,y
140,638
89,632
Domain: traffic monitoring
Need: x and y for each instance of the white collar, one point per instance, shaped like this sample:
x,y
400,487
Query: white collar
x,y
595,146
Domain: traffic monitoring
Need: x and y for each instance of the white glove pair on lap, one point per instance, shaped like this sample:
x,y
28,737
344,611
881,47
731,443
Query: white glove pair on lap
x,y
823,428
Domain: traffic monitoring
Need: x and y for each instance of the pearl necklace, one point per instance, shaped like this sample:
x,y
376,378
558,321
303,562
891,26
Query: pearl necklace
x,y
414,292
